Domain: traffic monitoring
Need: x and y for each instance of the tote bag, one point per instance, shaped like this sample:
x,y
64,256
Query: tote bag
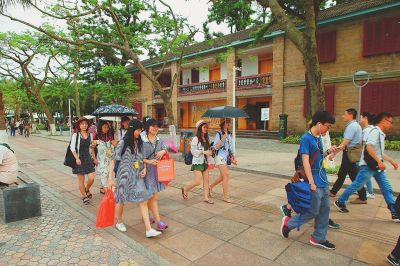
x,y
165,169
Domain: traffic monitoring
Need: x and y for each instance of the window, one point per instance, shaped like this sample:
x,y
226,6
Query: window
x,y
195,75
382,36
138,107
137,78
381,96
326,46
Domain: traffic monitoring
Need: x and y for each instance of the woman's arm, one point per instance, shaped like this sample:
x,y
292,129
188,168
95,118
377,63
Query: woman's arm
x,y
194,149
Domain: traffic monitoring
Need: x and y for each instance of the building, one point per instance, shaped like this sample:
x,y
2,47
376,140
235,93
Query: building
x,y
357,35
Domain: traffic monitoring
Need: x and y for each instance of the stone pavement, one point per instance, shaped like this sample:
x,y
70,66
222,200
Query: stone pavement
x,y
243,233
273,158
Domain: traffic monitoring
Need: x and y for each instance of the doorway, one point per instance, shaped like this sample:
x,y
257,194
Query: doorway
x,y
259,123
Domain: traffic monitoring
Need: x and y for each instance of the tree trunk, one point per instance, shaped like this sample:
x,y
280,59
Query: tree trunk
x,y
166,97
31,113
48,113
17,110
3,121
76,89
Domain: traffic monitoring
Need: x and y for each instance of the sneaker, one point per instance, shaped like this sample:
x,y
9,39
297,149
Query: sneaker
x,y
284,228
341,207
152,233
395,218
392,260
333,225
325,244
358,201
121,227
285,211
161,226
370,195
86,200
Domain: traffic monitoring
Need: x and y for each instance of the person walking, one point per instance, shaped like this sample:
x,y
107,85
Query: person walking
x,y
224,156
366,122
105,151
124,127
200,149
27,129
352,138
394,257
130,177
375,150
12,127
85,158
310,146
153,150
61,127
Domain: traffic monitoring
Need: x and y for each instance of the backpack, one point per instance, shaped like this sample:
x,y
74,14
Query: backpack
x,y
299,197
189,156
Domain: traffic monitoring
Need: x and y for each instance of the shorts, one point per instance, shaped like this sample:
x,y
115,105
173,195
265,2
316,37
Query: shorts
x,y
219,160
199,167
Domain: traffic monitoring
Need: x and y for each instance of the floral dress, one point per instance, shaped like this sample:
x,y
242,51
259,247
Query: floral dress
x,y
149,152
130,185
105,152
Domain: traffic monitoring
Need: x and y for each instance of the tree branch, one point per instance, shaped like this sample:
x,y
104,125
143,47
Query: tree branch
x,y
66,16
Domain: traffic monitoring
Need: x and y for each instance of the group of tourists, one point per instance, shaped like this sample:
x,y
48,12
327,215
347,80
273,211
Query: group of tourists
x,y
23,126
363,157
125,162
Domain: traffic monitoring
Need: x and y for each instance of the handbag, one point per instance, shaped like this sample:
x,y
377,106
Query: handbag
x,y
354,153
106,211
300,173
165,169
371,162
69,159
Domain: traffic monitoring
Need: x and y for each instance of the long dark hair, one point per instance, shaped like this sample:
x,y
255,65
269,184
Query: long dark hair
x,y
100,135
129,139
199,135
221,126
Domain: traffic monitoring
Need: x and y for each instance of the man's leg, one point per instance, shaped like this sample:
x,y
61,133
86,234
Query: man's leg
x,y
386,189
343,170
364,174
300,219
322,219
362,193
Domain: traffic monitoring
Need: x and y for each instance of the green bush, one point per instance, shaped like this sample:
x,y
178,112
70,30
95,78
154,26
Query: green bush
x,y
333,171
41,126
292,139
393,145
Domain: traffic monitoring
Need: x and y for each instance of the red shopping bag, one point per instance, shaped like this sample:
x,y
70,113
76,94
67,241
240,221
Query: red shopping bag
x,y
165,169
106,212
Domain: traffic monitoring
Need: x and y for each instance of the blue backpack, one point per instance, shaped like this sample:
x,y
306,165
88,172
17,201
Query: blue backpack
x,y
299,197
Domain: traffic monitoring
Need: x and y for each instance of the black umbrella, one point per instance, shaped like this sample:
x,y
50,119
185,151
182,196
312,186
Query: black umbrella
x,y
225,112
114,110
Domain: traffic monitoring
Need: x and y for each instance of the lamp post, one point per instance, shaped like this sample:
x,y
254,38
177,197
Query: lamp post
x,y
363,77
70,118
235,68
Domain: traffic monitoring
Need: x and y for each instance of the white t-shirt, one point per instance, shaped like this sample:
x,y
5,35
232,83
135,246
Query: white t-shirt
x,y
8,161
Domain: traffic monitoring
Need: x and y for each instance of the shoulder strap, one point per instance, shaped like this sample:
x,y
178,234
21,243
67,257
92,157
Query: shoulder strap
x,y
76,142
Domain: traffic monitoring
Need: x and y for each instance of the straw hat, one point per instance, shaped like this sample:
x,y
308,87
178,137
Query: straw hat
x,y
200,123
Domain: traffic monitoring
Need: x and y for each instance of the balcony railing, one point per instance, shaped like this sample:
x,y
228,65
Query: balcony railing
x,y
157,95
202,88
254,82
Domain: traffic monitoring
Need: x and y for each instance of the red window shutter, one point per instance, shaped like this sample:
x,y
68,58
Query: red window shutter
x,y
137,77
326,46
138,107
305,102
381,97
382,36
330,98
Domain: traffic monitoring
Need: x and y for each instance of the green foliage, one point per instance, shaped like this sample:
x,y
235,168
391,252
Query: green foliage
x,y
333,171
292,139
393,145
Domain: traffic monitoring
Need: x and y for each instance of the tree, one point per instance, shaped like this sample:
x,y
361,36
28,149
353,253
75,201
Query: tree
x,y
290,14
118,85
18,52
236,13
170,34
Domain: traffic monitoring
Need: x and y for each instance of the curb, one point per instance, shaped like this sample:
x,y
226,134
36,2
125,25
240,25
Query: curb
x,y
91,220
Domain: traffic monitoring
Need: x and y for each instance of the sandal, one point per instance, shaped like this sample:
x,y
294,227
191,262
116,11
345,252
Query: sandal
x,y
208,201
184,195
102,191
85,200
88,194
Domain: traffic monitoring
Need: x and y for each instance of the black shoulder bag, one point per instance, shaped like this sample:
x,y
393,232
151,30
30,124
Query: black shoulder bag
x,y
70,160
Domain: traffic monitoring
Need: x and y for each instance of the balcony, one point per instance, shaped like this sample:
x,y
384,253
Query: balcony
x,y
254,82
202,88
156,94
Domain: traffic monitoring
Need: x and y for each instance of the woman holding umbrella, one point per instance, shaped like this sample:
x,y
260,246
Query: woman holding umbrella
x,y
223,145
200,148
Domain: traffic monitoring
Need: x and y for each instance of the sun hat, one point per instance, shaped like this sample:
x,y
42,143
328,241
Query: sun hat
x,y
200,123
81,119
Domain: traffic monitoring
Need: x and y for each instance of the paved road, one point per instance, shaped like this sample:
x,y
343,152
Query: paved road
x,y
243,233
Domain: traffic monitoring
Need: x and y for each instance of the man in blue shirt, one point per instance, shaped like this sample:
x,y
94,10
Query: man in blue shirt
x,y
352,139
311,144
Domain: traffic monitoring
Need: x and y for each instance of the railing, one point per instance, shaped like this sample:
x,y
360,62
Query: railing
x,y
254,82
202,88
157,95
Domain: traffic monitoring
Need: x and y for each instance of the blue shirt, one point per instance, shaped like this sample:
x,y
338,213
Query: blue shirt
x,y
226,147
353,132
310,145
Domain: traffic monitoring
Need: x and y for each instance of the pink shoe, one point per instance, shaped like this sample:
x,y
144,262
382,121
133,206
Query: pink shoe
x,y
161,226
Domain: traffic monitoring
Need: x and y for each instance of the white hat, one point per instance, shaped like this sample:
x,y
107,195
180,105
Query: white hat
x,y
200,123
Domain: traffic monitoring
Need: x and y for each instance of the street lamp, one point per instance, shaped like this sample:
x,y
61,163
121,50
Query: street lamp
x,y
360,80
235,68
101,102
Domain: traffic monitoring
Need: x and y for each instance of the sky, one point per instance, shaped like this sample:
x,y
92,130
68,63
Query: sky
x,y
194,10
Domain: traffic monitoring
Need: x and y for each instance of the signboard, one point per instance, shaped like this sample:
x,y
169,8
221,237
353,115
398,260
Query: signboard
x,y
264,114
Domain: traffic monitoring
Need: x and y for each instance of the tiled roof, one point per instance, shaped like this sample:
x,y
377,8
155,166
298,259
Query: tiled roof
x,y
332,12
